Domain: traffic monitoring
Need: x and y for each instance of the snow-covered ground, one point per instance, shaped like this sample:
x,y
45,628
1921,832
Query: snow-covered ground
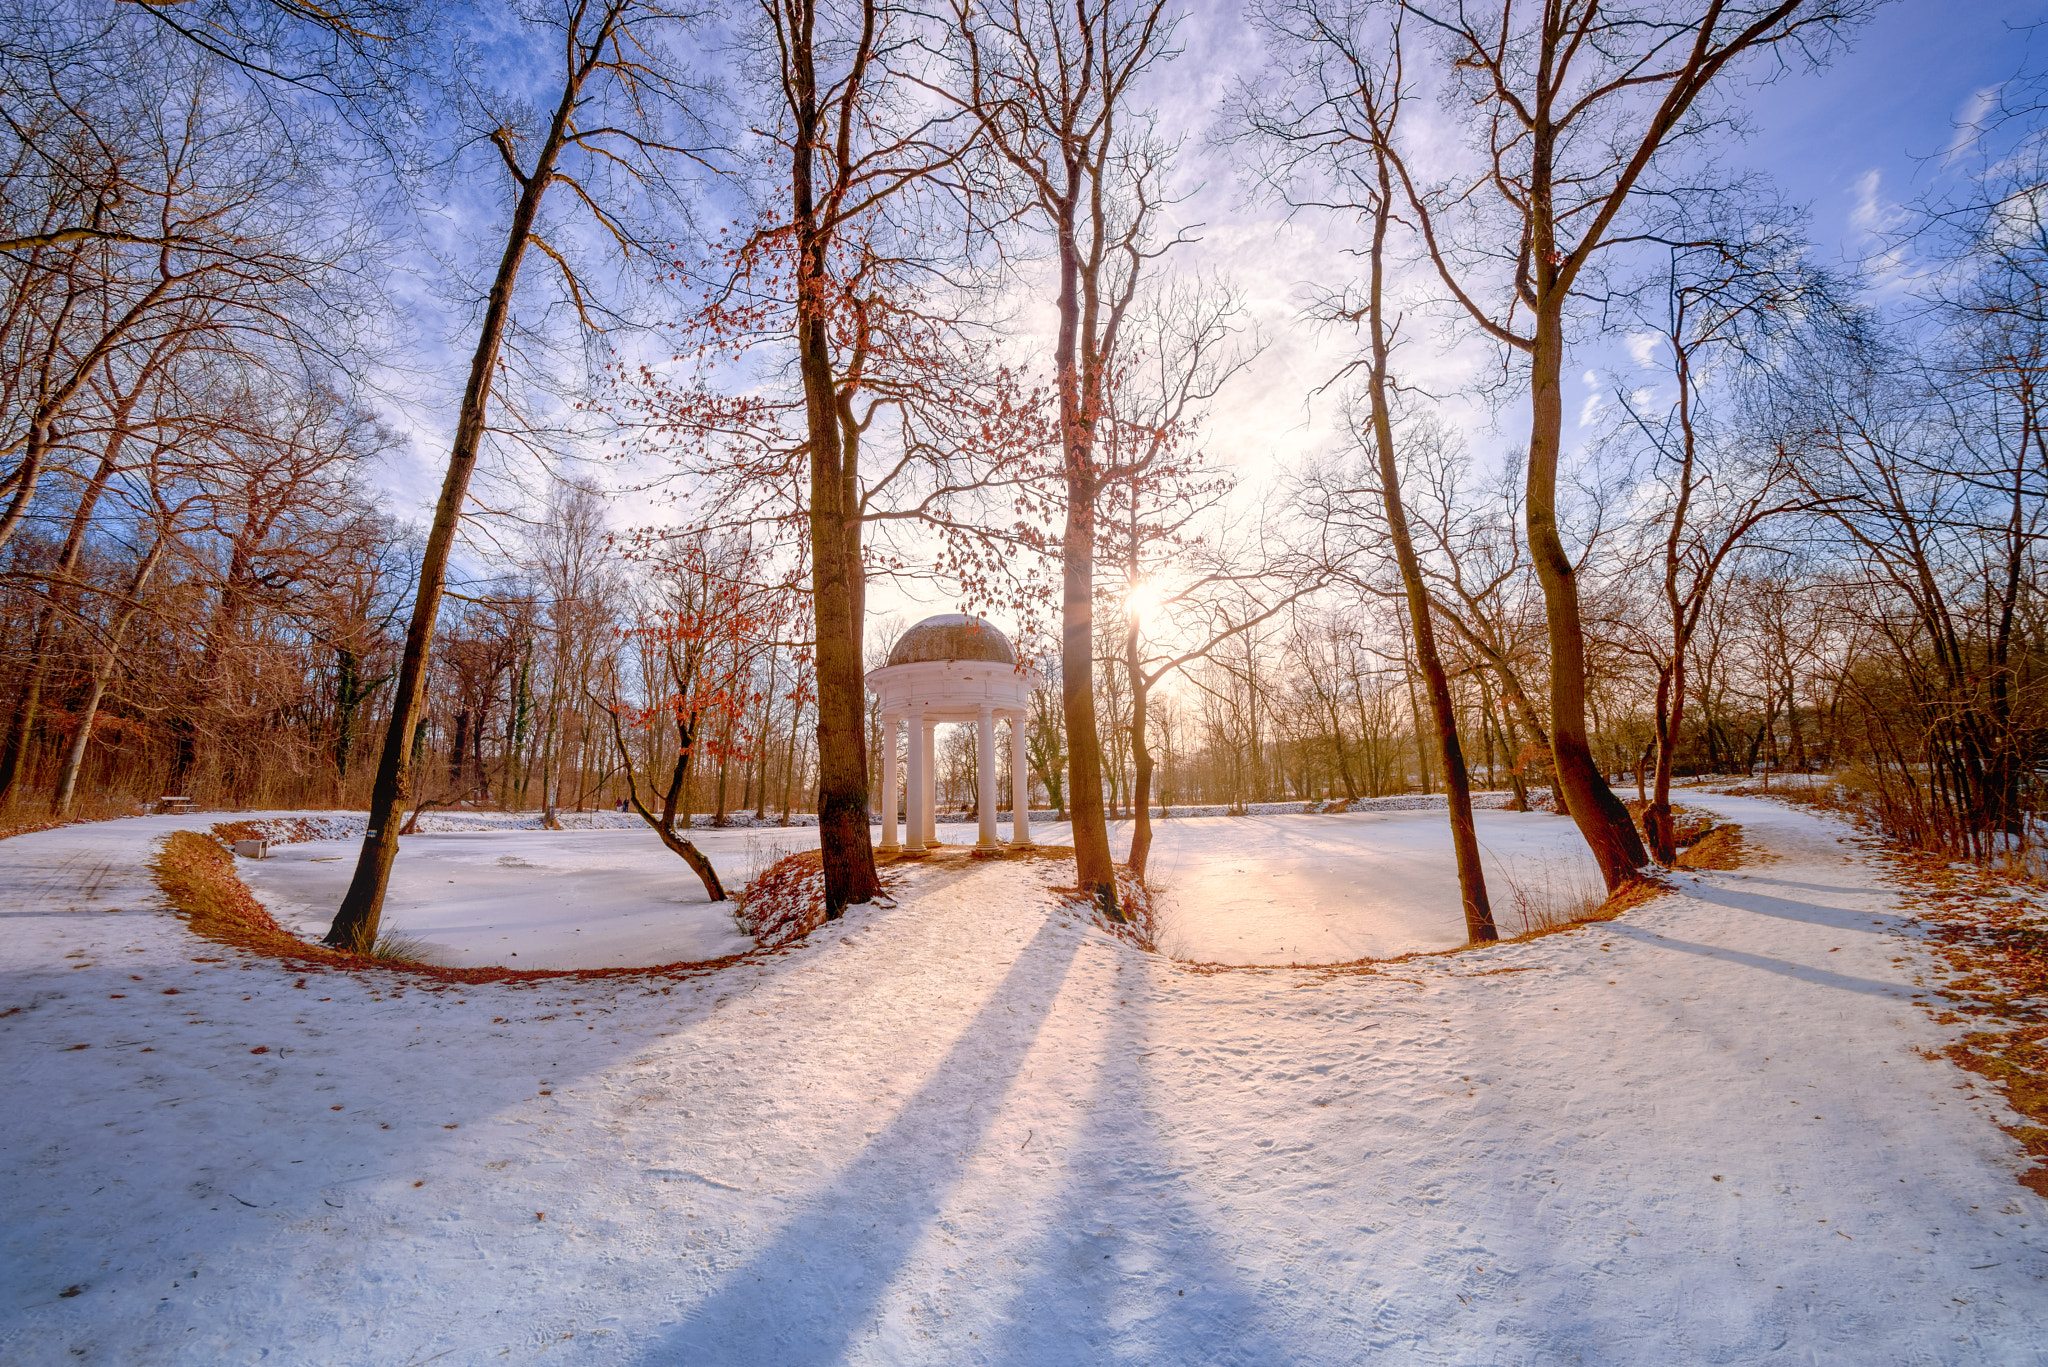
x,y
1244,890
1330,889
533,898
965,1130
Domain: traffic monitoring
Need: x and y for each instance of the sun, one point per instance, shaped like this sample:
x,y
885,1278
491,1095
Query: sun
x,y
1144,602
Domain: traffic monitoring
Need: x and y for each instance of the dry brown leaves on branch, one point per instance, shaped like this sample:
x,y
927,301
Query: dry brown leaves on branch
x,y
786,901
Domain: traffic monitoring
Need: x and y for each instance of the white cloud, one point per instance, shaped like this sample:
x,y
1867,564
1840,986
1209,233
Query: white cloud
x,y
1643,348
1970,123
1871,213
1595,401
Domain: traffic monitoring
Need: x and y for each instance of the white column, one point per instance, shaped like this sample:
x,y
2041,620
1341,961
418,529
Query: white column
x,y
985,775
914,799
889,783
1020,784
928,796
928,785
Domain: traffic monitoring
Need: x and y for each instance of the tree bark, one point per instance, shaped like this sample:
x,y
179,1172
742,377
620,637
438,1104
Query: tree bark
x,y
362,908
1479,926
1141,756
1079,389
844,839
1093,867
1599,814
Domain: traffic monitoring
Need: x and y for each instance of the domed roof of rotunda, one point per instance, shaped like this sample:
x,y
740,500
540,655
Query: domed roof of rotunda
x,y
953,636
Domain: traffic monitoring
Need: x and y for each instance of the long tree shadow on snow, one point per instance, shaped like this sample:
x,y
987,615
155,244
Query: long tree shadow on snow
x,y
806,1298
1130,1266
1819,977
1835,918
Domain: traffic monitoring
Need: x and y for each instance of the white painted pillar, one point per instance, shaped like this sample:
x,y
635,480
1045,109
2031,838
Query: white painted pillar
x,y
889,783
1020,783
913,810
985,775
928,798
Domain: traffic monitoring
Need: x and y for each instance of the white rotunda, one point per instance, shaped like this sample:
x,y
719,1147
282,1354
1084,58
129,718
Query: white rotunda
x,y
953,668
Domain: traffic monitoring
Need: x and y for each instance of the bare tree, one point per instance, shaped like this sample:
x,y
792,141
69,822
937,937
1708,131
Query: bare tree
x,y
1055,91
1576,105
1729,290
234,238
1349,125
620,96
711,619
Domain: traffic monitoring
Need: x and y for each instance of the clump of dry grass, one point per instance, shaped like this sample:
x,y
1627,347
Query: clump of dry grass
x,y
764,854
395,948
1549,894
1718,848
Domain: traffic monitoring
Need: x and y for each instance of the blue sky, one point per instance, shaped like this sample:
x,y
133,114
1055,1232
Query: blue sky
x,y
1852,143
1889,107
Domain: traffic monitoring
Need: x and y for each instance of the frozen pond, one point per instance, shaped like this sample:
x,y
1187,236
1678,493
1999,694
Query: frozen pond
x,y
1328,889
1250,890
533,899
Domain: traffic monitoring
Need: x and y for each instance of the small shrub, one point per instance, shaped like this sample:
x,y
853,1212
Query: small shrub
x,y
785,901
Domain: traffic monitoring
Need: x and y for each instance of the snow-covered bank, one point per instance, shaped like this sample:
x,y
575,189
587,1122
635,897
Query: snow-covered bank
x,y
532,899
960,1131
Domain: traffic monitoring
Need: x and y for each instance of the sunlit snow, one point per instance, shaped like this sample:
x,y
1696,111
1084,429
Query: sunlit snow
x,y
1264,889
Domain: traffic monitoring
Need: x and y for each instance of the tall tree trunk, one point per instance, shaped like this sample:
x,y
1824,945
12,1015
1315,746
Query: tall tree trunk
x,y
1079,399
362,908
1478,910
1599,814
844,839
1670,715
1094,869
1141,756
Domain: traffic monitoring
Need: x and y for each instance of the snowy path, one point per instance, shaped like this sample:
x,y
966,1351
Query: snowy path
x,y
962,1132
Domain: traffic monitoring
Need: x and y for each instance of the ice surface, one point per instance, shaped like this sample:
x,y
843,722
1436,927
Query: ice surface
x,y
1249,889
532,899
1329,889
